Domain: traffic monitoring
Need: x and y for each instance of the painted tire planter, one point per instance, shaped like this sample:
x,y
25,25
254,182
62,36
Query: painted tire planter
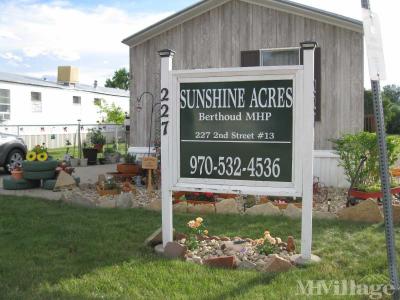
x,y
39,166
10,183
40,175
375,195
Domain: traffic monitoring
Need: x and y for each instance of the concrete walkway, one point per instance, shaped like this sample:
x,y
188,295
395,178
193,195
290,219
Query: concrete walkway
x,y
87,174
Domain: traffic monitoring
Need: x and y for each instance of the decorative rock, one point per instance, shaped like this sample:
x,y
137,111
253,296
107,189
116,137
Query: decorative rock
x,y
291,246
245,264
101,178
179,236
267,209
180,207
174,250
298,260
226,206
224,238
124,200
108,203
155,205
64,181
197,260
324,215
77,197
227,262
277,264
292,211
366,211
159,249
396,214
155,238
201,209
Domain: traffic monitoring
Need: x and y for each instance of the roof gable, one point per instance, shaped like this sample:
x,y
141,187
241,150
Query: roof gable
x,y
206,5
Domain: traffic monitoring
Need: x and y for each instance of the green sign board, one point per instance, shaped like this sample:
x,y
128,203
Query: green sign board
x,y
237,130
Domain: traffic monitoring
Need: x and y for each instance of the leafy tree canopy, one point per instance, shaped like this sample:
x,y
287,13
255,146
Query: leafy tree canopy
x,y
120,80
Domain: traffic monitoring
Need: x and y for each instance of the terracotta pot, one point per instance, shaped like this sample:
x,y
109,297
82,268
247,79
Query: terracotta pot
x,y
98,147
128,168
365,195
17,174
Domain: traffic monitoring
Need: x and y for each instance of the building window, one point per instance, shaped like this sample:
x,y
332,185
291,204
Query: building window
x,y
76,99
36,99
285,57
280,57
97,101
4,105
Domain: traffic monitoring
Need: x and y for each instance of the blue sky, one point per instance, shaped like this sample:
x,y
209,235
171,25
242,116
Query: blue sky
x,y
38,35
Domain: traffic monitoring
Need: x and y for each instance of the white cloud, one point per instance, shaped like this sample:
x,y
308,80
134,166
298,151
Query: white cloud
x,y
65,32
11,57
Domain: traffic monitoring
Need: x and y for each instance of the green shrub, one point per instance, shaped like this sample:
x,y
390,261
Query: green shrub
x,y
352,147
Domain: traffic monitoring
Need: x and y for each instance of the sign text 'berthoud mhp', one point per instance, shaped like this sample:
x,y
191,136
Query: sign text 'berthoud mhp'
x,y
240,130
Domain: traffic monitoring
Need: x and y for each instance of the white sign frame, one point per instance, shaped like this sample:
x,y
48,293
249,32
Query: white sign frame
x,y
303,138
292,189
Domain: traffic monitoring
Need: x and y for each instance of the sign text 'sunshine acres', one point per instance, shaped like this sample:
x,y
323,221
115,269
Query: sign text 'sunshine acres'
x,y
240,130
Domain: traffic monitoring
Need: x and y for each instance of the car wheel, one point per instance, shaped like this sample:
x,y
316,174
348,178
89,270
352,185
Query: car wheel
x,y
16,156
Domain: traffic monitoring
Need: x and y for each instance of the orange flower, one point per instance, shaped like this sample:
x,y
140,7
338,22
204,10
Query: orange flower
x,y
191,224
199,220
206,232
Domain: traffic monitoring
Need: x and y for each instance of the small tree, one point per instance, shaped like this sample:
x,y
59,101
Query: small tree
x,y
114,114
120,80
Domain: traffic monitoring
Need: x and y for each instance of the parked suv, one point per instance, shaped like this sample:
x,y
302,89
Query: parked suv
x,y
12,150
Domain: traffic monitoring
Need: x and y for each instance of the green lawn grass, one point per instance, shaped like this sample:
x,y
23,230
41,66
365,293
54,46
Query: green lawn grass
x,y
58,153
50,250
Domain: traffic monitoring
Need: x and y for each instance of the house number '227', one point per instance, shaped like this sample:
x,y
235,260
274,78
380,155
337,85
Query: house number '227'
x,y
164,110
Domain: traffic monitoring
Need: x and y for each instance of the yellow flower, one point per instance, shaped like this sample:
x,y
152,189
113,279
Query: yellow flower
x,y
206,232
42,156
191,224
31,156
199,220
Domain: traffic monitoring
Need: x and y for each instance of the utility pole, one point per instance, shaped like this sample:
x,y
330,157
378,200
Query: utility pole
x,y
377,72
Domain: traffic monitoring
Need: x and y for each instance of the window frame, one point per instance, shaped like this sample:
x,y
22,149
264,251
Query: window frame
x,y
5,115
283,49
35,102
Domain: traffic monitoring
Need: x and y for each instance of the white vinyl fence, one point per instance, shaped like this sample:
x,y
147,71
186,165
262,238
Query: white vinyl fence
x,y
326,168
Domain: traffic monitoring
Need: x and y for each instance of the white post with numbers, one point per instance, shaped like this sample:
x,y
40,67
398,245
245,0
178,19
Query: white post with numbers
x,y
166,163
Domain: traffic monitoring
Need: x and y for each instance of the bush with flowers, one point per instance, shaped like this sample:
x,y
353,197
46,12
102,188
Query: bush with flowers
x,y
268,244
39,153
196,227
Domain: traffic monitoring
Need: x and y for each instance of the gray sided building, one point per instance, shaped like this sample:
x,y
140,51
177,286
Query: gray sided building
x,y
235,33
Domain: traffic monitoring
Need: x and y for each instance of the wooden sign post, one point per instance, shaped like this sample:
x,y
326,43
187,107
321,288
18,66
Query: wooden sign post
x,y
238,131
149,163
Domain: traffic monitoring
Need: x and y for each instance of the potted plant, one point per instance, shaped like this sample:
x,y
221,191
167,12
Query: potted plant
x,y
111,155
16,171
90,154
129,166
355,148
97,139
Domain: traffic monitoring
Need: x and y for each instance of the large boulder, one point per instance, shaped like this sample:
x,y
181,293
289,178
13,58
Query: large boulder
x,y
174,250
366,211
227,262
292,211
267,209
201,208
396,214
64,181
277,264
226,206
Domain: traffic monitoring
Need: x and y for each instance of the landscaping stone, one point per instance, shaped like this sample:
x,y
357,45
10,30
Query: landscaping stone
x,y
201,209
365,211
226,206
245,264
64,181
227,262
76,197
124,200
396,214
277,264
267,209
298,260
180,207
155,205
292,211
324,215
107,203
159,249
174,250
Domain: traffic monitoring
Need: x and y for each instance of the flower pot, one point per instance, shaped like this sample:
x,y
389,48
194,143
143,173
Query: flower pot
x,y
91,155
17,174
98,147
74,162
128,168
375,195
83,162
